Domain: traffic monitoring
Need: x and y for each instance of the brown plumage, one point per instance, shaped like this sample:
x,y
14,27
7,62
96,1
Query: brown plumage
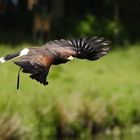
x,y
37,60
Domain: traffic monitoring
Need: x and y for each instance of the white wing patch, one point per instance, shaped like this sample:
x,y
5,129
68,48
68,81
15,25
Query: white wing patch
x,y
24,52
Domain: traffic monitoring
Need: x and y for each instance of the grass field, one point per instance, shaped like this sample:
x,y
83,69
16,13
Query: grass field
x,y
82,97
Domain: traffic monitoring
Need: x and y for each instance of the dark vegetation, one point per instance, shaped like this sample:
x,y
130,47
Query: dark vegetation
x,y
117,20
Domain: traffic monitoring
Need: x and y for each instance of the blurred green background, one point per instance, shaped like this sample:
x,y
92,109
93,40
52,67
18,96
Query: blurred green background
x,y
83,99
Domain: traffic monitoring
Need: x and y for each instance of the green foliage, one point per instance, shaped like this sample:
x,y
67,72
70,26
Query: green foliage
x,y
87,26
91,25
114,28
82,97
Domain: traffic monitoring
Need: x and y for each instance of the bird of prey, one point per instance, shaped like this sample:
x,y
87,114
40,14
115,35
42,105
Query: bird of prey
x,y
38,60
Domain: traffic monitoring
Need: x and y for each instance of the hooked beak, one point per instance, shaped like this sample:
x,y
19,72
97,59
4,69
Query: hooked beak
x,y
70,58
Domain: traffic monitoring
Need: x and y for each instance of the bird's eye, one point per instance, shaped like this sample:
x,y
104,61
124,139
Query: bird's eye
x,y
65,57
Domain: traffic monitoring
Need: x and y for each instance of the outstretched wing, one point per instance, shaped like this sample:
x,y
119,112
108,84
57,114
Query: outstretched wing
x,y
91,48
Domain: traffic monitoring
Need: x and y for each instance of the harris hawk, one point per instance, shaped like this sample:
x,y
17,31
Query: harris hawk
x,y
38,60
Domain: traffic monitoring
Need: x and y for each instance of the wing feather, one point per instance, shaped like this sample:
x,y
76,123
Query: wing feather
x,y
91,48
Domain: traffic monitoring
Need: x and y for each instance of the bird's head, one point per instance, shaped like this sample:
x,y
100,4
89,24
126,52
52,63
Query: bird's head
x,y
63,58
68,57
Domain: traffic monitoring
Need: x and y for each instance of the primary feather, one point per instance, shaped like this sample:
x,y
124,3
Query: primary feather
x,y
87,48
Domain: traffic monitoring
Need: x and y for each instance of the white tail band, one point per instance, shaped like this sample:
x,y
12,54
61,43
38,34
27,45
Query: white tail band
x,y
2,60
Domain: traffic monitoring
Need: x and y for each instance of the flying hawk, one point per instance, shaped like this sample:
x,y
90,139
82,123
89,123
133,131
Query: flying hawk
x,y
38,60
